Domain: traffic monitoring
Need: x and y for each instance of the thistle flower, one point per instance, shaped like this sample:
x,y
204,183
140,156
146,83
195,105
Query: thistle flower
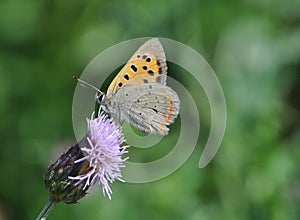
x,y
97,158
102,148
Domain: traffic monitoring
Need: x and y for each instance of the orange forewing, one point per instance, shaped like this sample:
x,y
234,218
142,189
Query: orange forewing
x,y
144,69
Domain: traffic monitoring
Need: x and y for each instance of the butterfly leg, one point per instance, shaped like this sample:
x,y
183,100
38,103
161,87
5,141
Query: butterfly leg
x,y
98,109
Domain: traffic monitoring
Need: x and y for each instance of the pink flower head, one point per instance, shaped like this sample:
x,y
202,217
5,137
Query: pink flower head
x,y
102,149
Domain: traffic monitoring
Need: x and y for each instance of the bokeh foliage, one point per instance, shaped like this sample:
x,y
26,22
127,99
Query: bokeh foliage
x,y
253,46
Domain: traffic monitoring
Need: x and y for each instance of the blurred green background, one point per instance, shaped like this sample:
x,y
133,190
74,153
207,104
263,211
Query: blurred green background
x,y
253,46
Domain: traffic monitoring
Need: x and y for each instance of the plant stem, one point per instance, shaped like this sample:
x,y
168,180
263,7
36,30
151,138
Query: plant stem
x,y
47,209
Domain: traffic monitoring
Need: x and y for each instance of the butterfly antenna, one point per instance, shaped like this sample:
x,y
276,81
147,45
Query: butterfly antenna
x,y
83,83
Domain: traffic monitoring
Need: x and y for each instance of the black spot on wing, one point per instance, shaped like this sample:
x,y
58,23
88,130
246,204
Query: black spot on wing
x,y
153,109
159,70
126,76
151,72
133,67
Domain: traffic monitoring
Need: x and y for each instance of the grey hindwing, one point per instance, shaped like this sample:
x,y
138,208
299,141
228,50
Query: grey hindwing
x,y
145,106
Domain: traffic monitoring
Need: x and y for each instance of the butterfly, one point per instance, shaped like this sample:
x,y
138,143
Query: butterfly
x,y
139,95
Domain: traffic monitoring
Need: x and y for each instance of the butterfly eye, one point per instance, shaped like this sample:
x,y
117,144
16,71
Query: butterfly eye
x,y
99,98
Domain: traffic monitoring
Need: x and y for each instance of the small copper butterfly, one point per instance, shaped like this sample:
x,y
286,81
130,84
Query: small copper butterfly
x,y
139,95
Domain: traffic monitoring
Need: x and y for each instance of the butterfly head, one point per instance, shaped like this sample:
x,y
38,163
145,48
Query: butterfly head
x,y
100,97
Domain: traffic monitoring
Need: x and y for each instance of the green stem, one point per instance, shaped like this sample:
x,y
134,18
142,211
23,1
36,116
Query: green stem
x,y
47,209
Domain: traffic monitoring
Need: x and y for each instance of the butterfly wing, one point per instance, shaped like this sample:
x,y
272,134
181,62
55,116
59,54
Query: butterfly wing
x,y
147,65
150,108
